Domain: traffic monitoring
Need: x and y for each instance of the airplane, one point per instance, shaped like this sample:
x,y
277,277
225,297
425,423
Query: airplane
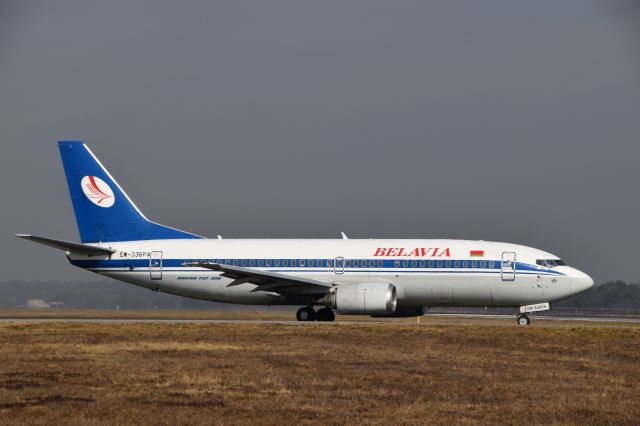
x,y
376,277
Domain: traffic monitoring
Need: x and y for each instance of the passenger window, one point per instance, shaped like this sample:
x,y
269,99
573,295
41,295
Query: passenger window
x,y
439,263
252,263
276,263
431,263
414,263
490,264
301,262
363,263
483,264
380,263
348,262
372,264
456,264
422,263
329,263
405,263
244,262
396,263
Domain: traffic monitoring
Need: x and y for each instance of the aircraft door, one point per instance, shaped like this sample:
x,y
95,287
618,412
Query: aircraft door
x,y
338,265
155,265
508,266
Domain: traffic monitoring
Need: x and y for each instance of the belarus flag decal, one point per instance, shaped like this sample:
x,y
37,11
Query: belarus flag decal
x,y
476,253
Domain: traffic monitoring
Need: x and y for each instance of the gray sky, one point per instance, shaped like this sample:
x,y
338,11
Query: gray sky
x,y
500,120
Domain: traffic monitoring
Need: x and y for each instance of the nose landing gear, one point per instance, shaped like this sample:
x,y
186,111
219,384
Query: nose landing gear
x,y
523,319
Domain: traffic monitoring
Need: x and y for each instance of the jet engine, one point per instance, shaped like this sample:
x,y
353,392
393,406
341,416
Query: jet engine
x,y
365,298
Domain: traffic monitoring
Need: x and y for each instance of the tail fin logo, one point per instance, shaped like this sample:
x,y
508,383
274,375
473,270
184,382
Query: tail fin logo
x,y
97,191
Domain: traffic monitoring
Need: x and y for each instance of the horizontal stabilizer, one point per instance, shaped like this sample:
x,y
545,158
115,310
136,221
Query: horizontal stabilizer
x,y
68,246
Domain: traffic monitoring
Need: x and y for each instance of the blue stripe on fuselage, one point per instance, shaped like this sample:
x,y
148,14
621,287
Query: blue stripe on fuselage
x,y
386,265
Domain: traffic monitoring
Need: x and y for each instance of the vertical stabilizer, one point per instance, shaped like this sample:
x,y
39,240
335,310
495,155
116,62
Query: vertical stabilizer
x,y
103,210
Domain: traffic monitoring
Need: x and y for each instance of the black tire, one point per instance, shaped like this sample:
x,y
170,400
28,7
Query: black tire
x,y
325,314
523,320
306,314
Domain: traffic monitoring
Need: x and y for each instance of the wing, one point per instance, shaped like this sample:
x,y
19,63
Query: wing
x,y
268,281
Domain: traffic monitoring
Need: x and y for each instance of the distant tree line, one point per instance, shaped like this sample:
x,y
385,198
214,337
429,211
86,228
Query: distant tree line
x,y
111,294
614,295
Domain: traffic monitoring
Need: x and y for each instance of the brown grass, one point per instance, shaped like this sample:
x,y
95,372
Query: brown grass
x,y
439,372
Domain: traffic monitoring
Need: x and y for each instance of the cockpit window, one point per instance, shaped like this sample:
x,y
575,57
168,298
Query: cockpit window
x,y
550,263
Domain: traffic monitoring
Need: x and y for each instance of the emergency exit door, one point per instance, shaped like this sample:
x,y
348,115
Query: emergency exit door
x,y
155,265
508,267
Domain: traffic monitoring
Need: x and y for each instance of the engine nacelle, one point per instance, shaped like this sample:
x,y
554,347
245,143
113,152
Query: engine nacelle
x,y
405,312
366,298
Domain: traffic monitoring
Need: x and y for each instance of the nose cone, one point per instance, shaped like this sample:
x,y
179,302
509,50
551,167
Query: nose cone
x,y
580,281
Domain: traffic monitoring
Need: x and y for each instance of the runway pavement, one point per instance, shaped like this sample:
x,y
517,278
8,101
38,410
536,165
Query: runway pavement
x,y
424,319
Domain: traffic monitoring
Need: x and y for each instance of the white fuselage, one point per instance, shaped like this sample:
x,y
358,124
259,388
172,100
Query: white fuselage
x,y
424,272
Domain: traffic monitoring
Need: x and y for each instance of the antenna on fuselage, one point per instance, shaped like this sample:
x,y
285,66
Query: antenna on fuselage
x,y
219,237
344,236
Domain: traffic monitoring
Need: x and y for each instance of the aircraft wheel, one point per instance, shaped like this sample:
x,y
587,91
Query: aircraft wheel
x,y
523,320
306,314
325,314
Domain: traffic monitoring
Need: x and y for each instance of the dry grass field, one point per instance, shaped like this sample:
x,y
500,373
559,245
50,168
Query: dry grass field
x,y
442,371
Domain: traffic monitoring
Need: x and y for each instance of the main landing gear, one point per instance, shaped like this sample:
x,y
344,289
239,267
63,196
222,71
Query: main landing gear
x,y
523,319
308,314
